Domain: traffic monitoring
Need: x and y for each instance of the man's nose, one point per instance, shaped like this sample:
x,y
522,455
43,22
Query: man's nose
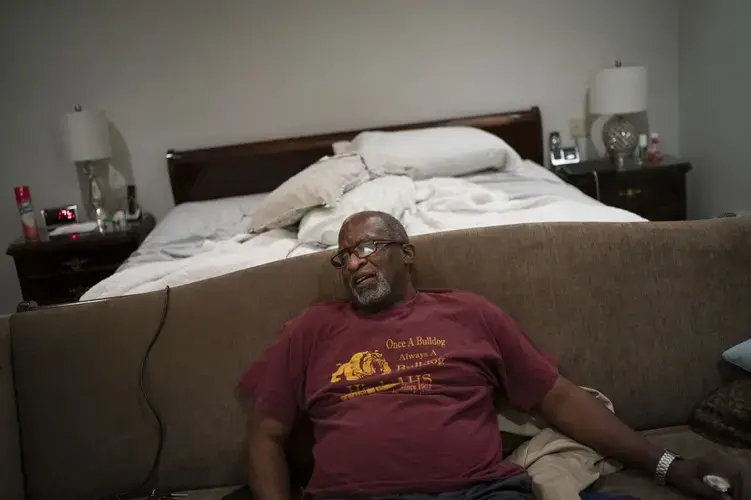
x,y
354,263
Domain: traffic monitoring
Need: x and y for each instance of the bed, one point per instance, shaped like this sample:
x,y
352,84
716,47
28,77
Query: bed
x,y
217,190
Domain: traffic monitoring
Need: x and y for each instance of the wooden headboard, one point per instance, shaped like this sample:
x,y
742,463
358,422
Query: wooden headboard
x,y
260,167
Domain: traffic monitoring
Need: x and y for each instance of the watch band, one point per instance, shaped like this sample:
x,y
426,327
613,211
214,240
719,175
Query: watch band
x,y
661,472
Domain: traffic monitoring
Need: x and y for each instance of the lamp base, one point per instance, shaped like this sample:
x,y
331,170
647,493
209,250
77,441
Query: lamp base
x,y
95,203
620,138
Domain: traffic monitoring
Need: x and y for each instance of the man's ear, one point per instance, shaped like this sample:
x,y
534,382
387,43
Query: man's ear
x,y
408,253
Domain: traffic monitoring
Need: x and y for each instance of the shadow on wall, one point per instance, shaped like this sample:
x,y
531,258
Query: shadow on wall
x,y
116,173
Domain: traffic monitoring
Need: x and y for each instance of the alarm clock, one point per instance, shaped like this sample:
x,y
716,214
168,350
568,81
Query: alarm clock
x,y
60,216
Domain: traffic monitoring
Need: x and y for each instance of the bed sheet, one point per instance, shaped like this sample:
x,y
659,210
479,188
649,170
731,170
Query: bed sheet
x,y
528,179
195,227
525,193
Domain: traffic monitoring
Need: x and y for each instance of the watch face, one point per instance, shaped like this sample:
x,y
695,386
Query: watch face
x,y
717,483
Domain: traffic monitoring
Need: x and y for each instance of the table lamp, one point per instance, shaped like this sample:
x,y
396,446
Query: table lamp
x,y
618,91
87,134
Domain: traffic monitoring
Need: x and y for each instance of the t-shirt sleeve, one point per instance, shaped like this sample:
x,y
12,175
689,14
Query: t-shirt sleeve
x,y
525,373
275,381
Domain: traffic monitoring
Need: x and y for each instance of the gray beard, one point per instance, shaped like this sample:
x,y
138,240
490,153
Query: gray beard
x,y
372,294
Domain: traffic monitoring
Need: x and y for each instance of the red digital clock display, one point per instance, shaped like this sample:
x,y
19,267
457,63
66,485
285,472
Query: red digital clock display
x,y
60,216
66,215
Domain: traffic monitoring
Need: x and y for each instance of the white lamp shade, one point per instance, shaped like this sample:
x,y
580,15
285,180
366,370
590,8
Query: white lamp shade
x,y
87,135
619,90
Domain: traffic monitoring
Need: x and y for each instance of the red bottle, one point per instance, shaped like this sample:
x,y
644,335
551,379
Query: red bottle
x,y
26,211
654,155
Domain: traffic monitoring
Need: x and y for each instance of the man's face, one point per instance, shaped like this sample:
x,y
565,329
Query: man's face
x,y
375,279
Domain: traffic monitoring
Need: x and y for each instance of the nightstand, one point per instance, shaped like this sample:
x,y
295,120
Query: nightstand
x,y
60,269
654,191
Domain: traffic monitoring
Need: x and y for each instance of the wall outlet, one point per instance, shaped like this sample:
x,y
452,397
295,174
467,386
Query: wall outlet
x,y
577,128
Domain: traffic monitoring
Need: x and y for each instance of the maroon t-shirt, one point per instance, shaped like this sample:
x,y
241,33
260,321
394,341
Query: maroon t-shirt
x,y
401,401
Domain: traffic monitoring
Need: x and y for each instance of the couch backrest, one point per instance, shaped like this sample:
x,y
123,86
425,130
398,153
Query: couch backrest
x,y
11,478
639,311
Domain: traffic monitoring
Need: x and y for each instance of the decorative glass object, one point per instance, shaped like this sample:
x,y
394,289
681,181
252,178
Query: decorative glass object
x,y
619,91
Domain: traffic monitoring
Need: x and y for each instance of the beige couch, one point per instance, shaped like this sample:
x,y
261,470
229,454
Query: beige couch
x,y
641,312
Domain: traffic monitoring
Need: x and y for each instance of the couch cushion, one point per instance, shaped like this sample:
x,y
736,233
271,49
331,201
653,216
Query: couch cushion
x,y
634,310
11,479
679,439
86,431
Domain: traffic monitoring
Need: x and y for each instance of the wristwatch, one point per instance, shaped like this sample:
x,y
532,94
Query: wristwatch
x,y
661,472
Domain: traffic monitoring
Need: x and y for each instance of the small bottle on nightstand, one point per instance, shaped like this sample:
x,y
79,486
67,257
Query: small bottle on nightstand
x,y
27,213
640,153
654,155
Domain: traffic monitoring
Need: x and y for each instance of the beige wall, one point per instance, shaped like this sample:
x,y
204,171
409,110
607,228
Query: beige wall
x,y
189,73
715,76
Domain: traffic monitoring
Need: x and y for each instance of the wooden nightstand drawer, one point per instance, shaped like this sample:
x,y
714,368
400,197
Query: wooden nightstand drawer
x,y
643,194
59,289
62,268
655,192
677,211
71,262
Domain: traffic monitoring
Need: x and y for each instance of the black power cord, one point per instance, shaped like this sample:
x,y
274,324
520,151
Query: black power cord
x,y
145,395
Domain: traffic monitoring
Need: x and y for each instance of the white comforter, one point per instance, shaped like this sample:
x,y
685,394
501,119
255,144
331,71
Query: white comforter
x,y
529,193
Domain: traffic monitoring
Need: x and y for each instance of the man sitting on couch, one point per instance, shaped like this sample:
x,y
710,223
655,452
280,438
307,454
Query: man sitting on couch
x,y
399,386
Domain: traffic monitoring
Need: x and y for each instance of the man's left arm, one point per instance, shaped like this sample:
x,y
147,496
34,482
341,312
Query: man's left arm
x,y
531,380
581,417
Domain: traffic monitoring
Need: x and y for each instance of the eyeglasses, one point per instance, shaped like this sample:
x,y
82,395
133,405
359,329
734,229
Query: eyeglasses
x,y
363,251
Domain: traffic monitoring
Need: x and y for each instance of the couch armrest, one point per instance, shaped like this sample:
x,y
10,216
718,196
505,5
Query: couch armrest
x,y
11,480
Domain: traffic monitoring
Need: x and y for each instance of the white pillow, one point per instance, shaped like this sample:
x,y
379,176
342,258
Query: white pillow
x,y
341,147
391,194
200,220
431,152
321,184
